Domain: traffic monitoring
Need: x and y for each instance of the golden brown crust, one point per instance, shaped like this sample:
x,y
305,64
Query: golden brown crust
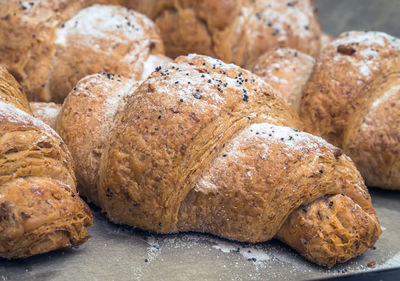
x,y
329,230
50,45
88,43
171,128
352,73
275,168
87,116
84,123
27,33
233,30
40,214
376,150
39,208
31,148
287,71
11,92
205,146
46,112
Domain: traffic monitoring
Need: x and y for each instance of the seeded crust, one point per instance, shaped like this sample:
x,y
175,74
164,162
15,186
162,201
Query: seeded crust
x,y
351,100
237,31
40,209
205,146
48,68
84,123
287,71
329,230
27,34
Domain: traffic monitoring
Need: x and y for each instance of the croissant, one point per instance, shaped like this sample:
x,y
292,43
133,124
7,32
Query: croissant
x,y
50,45
11,92
237,31
46,112
206,146
287,71
40,210
84,123
352,100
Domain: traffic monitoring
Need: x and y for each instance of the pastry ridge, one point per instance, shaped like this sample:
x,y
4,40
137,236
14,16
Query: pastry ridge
x,y
206,146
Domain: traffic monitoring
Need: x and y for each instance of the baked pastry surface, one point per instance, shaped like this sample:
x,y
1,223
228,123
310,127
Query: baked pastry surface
x,y
352,100
47,112
287,71
50,45
206,146
40,209
237,31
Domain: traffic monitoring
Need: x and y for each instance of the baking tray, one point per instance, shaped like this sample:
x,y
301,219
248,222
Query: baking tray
x,y
123,253
118,252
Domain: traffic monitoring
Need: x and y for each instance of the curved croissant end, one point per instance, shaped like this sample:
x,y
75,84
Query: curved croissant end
x,y
40,209
352,100
206,146
50,45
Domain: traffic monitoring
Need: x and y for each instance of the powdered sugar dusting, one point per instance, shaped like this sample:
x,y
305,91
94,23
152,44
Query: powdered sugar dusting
x,y
278,16
115,88
26,5
391,263
394,90
275,23
379,101
12,114
250,253
154,249
369,38
368,50
204,89
364,70
105,22
46,112
264,137
256,254
289,138
152,62
287,71
369,53
271,255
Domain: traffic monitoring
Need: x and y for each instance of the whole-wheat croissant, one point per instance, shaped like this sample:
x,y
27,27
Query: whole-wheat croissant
x,y
40,209
287,71
353,101
205,146
46,112
49,45
236,31
84,123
